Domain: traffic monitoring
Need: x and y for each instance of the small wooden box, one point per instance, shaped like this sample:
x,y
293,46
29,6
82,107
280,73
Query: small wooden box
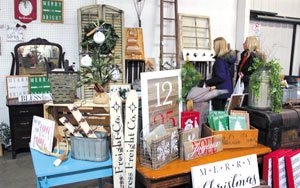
x,y
234,139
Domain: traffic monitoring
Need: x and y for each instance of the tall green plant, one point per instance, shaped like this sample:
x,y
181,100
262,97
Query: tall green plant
x,y
274,80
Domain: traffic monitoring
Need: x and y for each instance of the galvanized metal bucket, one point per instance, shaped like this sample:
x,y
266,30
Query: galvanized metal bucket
x,y
90,149
263,101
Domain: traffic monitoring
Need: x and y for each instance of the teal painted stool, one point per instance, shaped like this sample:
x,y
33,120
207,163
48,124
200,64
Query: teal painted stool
x,y
70,171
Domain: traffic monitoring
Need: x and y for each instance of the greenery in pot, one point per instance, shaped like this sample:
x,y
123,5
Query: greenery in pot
x,y
100,73
190,78
274,80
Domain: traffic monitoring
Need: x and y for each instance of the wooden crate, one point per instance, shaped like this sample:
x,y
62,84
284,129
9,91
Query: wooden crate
x,y
95,115
235,139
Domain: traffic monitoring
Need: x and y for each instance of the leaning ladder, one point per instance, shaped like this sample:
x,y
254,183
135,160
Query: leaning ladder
x,y
165,55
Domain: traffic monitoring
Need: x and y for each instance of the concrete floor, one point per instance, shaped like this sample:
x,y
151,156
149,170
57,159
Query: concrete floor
x,y
19,173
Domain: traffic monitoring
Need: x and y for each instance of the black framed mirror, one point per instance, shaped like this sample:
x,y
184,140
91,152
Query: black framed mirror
x,y
29,57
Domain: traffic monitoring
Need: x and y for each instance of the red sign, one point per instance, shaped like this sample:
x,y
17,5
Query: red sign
x,y
190,119
25,10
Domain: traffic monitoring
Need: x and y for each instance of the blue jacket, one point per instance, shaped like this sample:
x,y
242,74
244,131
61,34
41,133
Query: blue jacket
x,y
221,76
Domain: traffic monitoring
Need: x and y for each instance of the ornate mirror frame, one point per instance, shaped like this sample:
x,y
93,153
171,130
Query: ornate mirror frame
x,y
35,43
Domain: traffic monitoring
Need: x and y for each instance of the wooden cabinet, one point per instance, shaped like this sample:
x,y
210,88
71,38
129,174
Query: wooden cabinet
x,y
20,118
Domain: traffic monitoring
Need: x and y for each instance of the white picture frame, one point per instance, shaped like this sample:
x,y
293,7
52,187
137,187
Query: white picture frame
x,y
161,93
236,100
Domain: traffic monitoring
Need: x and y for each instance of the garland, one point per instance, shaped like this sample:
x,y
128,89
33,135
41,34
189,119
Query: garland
x,y
275,88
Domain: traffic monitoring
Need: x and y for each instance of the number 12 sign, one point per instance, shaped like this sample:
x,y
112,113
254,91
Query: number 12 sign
x,y
161,104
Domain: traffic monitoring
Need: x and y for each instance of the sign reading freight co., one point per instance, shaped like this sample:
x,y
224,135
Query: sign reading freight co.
x,y
130,137
117,140
241,172
161,102
52,11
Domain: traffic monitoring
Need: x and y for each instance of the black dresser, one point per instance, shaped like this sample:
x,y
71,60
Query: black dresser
x,y
20,118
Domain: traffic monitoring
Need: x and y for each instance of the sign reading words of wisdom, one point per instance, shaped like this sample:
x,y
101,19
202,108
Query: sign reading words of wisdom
x,y
52,11
233,173
161,104
42,133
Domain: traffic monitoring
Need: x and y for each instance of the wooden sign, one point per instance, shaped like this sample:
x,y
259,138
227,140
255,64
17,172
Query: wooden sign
x,y
241,172
39,85
190,119
202,147
42,134
188,135
16,86
292,162
131,133
69,126
161,104
134,46
122,89
82,123
52,11
174,142
161,151
35,97
242,113
117,140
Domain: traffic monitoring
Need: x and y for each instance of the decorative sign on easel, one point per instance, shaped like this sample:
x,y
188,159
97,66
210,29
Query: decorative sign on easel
x,y
239,172
52,11
16,86
292,161
42,134
161,102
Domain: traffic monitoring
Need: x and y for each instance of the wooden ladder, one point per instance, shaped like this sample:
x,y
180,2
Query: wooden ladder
x,y
164,54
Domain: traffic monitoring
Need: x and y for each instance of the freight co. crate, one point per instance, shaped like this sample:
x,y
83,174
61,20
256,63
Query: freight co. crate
x,y
276,130
234,139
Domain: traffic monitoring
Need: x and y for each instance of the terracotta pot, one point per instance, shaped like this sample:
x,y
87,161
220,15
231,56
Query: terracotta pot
x,y
100,98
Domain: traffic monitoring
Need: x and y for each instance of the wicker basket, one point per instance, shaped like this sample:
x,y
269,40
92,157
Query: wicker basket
x,y
63,86
90,149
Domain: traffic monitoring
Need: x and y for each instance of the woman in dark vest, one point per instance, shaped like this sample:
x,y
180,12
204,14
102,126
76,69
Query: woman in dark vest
x,y
221,75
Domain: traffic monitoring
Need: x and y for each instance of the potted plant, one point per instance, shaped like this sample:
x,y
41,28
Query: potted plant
x,y
99,41
265,84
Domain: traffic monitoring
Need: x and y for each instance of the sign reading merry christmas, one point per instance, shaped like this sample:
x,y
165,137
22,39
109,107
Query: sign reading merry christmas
x,y
241,172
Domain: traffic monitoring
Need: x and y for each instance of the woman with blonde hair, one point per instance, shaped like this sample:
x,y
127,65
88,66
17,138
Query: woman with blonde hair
x,y
251,51
221,76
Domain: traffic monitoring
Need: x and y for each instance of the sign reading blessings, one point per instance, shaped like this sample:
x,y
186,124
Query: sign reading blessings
x,y
233,173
